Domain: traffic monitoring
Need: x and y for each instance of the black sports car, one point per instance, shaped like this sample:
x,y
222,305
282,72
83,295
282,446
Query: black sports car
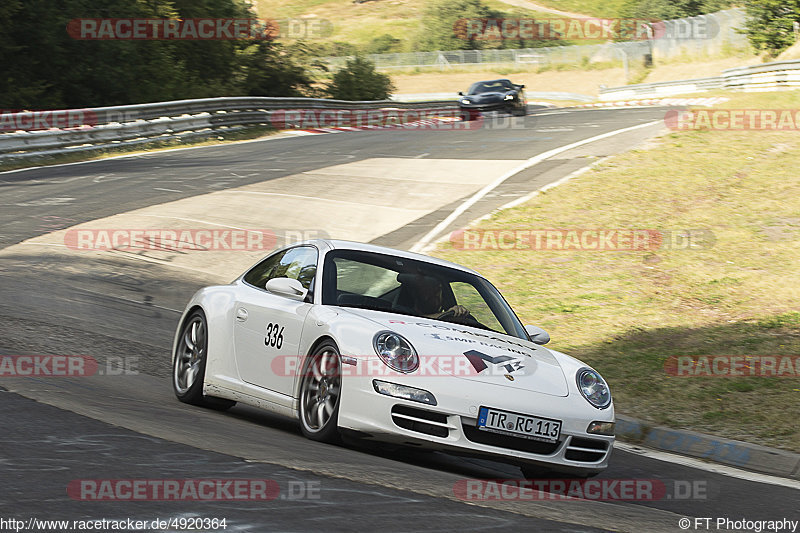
x,y
493,95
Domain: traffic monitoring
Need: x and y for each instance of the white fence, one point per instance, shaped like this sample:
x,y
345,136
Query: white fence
x,y
704,35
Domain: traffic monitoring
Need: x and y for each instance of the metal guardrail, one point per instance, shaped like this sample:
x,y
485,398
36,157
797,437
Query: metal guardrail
x,y
766,77
665,88
141,123
133,124
769,76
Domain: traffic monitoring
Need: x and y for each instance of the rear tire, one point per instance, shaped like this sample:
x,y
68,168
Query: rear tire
x,y
189,364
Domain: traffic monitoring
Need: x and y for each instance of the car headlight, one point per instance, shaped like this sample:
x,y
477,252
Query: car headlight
x,y
465,101
509,97
396,352
593,387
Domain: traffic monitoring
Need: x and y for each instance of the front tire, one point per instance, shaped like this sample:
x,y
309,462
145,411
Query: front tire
x,y
189,364
320,394
468,115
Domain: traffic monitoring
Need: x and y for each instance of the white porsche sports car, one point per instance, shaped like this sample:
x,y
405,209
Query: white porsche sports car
x,y
374,343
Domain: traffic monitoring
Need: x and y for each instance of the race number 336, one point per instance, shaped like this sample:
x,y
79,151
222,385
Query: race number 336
x,y
274,338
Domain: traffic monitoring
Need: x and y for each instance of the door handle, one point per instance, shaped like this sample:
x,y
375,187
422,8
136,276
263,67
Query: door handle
x,y
241,314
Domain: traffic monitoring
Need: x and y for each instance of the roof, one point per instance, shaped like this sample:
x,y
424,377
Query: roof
x,y
352,245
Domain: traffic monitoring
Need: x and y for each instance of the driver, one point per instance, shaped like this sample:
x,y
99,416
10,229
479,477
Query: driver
x,y
428,299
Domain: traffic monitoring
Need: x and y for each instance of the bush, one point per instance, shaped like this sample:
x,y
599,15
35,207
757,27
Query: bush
x,y
384,44
359,80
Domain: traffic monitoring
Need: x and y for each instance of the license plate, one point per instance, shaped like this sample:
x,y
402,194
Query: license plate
x,y
519,425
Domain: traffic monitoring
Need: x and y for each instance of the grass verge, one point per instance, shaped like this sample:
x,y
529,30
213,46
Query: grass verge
x,y
359,23
625,313
594,8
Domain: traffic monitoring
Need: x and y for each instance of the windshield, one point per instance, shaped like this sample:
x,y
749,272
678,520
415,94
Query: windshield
x,y
491,87
367,280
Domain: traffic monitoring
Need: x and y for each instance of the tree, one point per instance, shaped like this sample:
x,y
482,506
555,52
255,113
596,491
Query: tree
x,y
270,69
359,80
53,69
671,9
770,25
444,25
472,25
18,86
45,66
210,66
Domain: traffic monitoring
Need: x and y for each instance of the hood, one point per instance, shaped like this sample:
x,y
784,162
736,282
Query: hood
x,y
474,354
483,98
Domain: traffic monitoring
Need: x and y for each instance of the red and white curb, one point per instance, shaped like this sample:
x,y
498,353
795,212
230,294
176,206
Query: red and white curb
x,y
707,101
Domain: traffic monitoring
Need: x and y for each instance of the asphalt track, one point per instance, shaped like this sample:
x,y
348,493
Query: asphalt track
x,y
119,307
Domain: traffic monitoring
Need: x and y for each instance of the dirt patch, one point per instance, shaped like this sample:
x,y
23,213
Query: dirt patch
x,y
704,69
586,82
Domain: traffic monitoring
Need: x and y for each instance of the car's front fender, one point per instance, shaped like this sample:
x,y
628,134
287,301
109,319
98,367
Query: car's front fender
x,y
216,303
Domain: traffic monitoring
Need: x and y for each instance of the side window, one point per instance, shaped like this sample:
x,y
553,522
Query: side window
x,y
296,263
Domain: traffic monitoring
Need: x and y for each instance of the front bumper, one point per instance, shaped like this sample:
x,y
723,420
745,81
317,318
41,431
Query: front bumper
x,y
451,425
494,106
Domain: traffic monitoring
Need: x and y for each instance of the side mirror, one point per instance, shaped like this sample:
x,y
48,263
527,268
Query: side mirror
x,y
460,93
537,334
521,86
290,288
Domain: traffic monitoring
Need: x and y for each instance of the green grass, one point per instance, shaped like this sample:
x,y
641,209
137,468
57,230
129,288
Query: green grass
x,y
625,313
594,8
358,24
